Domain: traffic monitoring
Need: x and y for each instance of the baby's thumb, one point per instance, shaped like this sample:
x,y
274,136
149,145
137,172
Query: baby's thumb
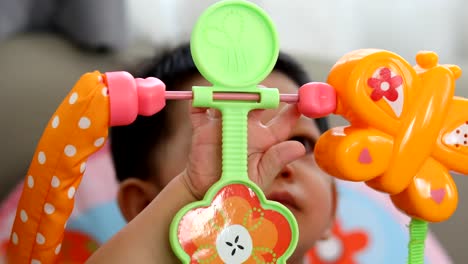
x,y
276,158
200,116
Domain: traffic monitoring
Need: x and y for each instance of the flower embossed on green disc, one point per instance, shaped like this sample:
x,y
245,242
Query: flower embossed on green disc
x,y
234,44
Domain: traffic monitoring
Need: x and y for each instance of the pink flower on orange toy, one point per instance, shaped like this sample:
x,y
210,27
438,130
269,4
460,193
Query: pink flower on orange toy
x,y
385,85
234,229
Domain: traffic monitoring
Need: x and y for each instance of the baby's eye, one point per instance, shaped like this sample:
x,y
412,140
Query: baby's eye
x,y
309,143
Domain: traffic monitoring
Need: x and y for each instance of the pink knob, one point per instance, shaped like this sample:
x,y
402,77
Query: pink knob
x,y
130,97
317,99
151,95
123,98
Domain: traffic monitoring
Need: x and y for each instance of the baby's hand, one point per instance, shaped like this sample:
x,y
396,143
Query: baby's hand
x,y
268,148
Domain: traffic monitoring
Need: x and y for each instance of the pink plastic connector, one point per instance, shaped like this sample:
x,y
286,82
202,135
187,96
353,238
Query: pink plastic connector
x,y
317,99
130,97
151,95
123,98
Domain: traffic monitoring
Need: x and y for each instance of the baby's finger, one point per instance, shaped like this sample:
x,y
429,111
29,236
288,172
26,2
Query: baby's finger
x,y
256,115
282,124
213,113
200,116
274,160
206,127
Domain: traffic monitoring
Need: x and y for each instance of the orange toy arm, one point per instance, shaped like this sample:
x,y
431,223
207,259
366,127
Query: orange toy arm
x,y
77,129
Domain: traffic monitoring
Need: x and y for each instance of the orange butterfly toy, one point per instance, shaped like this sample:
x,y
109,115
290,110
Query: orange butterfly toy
x,y
407,130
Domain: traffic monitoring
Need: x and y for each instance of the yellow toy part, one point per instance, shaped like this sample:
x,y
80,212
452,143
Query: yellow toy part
x,y
407,130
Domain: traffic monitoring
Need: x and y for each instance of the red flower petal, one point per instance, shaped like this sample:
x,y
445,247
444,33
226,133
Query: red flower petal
x,y
374,83
377,94
357,241
395,81
391,94
385,74
353,242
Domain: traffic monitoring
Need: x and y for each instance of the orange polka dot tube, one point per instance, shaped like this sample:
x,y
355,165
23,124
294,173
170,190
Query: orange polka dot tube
x,y
78,128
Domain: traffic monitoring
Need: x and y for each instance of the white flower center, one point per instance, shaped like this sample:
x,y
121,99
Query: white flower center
x,y
384,86
330,250
234,244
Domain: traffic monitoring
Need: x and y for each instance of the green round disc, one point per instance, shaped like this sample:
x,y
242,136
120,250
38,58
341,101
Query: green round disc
x,y
234,44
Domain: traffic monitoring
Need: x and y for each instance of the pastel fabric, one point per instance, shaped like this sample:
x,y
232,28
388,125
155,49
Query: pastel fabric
x,y
368,229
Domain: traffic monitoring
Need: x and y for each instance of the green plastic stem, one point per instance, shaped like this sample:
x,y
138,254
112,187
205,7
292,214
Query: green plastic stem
x,y
235,144
418,233
235,125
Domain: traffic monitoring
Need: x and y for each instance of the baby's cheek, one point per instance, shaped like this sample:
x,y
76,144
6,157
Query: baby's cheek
x,y
317,215
313,227
321,204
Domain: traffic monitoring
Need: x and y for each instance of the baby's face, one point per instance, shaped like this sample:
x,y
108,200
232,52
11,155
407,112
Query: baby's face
x,y
301,185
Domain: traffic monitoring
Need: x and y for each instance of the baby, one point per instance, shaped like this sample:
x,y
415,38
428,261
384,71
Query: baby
x,y
168,160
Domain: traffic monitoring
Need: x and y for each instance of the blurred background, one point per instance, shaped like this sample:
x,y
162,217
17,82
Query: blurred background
x,y
46,45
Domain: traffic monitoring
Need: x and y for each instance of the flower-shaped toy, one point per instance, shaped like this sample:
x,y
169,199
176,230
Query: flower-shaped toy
x,y
234,46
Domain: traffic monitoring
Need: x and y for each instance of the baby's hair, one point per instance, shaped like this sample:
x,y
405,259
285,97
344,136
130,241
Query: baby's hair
x,y
132,146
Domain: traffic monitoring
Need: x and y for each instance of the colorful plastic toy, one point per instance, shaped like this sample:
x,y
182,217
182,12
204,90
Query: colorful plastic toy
x,y
407,131
234,46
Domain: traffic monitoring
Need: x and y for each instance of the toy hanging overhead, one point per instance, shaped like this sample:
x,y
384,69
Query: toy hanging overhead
x,y
407,132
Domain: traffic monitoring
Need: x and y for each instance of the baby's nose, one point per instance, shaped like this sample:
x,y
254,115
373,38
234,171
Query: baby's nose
x,y
286,173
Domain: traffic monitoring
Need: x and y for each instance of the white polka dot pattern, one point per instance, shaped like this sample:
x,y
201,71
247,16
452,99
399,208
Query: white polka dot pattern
x,y
83,167
70,150
99,142
24,216
55,122
49,208
40,239
41,157
30,181
84,123
14,238
55,182
57,168
73,98
71,192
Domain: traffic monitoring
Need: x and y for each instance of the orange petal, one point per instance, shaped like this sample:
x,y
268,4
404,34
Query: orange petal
x,y
205,225
264,233
237,209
